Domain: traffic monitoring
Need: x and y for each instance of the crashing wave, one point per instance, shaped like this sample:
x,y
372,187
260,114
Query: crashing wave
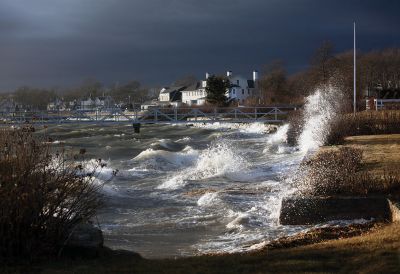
x,y
217,160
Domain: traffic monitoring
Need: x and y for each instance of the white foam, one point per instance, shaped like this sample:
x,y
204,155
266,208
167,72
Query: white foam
x,y
184,140
185,157
319,111
250,128
280,136
255,128
208,199
241,219
218,160
165,143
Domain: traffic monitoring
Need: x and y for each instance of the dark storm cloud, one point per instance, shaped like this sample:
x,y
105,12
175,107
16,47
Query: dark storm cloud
x,y
60,42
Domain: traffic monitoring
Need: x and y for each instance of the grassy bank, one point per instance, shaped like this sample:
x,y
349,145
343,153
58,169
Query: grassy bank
x,y
376,251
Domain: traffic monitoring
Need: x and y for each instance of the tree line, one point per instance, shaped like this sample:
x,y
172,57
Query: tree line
x,y
32,98
376,70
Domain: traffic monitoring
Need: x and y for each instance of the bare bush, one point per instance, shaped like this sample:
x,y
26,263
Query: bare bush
x,y
363,123
42,196
327,172
339,173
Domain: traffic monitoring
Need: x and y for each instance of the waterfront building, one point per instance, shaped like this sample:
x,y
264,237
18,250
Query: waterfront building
x,y
240,89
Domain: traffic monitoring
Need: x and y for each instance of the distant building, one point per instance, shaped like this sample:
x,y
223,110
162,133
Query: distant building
x,y
195,94
57,104
149,104
8,105
90,104
171,94
381,98
241,88
156,104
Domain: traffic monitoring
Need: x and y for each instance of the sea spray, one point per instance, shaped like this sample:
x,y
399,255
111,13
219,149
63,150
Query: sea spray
x,y
280,136
319,111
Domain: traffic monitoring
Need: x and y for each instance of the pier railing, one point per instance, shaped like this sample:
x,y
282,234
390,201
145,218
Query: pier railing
x,y
380,104
152,115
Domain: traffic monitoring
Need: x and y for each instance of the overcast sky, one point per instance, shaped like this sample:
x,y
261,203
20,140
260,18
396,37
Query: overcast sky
x,y
47,43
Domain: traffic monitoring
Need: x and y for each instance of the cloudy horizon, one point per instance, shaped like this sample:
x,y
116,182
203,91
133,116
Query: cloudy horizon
x,y
61,42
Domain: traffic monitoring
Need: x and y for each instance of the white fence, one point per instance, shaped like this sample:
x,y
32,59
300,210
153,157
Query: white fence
x,y
151,116
379,104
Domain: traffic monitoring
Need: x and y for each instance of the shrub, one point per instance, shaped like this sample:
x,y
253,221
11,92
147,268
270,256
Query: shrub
x,y
339,173
363,123
328,171
42,196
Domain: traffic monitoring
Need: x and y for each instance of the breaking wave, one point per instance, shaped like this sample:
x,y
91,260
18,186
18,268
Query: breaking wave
x,y
218,160
166,160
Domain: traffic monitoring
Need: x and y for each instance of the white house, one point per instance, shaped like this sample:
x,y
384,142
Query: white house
x,y
57,104
241,88
171,94
96,103
7,105
195,94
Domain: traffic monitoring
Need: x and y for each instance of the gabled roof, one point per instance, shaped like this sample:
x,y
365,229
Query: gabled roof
x,y
193,87
172,89
234,86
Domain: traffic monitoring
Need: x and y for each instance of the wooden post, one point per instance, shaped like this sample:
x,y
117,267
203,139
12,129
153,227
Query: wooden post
x,y
176,114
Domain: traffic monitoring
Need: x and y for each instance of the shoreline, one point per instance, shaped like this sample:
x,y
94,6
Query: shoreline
x,y
369,247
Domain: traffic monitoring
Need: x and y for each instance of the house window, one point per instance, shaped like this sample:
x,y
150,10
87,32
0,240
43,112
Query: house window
x,y
242,91
234,92
237,82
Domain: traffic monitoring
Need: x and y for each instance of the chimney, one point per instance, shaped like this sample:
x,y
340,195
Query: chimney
x,y
229,73
207,75
255,76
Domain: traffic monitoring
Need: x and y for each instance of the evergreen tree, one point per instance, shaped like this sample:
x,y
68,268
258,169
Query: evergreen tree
x,y
216,90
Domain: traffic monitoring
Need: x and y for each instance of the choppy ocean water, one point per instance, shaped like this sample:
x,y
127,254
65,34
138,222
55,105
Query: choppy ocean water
x,y
187,190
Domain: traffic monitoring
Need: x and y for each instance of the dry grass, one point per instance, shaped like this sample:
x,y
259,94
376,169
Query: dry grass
x,y
363,123
380,152
377,251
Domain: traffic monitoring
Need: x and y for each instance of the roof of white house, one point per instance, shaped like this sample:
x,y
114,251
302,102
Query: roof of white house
x,y
172,89
193,87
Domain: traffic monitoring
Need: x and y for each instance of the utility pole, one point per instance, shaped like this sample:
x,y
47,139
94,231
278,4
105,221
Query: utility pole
x,y
355,71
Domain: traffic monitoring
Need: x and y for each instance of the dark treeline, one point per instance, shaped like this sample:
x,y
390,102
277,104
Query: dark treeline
x,y
31,98
376,70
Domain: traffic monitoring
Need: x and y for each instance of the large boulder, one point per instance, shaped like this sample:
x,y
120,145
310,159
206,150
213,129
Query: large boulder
x,y
85,236
84,241
314,210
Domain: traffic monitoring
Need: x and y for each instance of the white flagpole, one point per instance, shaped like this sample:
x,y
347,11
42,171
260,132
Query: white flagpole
x,y
355,70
